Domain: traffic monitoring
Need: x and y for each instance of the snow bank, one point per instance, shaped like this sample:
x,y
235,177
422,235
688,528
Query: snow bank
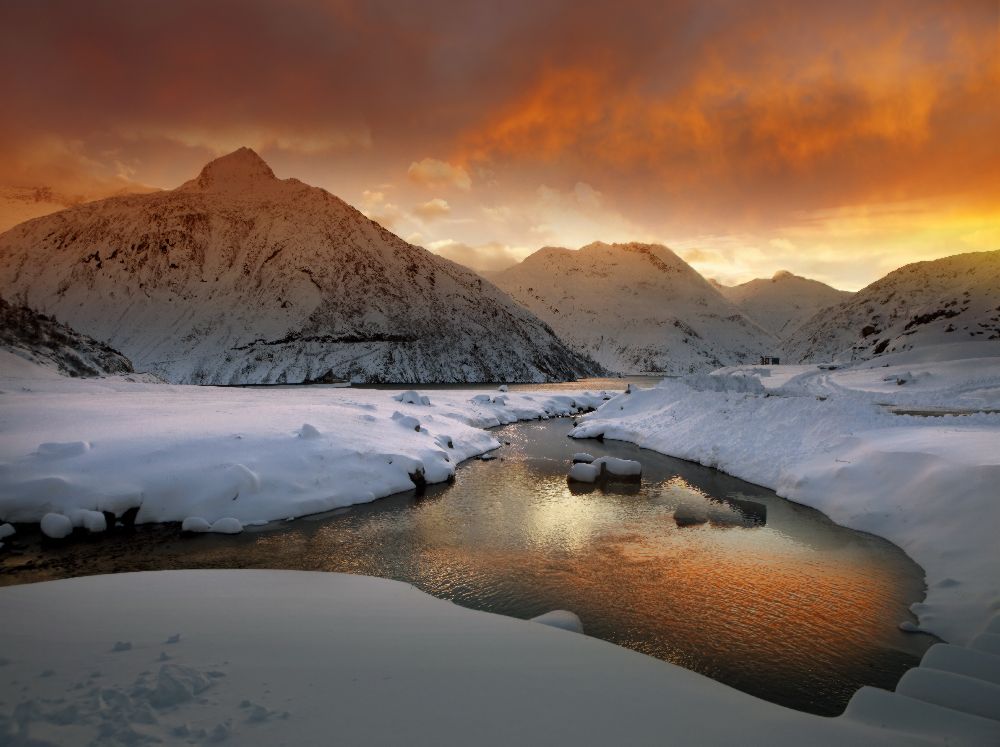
x,y
822,438
156,452
367,661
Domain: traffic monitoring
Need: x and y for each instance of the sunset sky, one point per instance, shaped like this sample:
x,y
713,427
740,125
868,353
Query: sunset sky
x,y
836,140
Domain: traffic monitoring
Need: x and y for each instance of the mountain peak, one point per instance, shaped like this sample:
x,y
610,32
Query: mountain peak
x,y
781,275
239,170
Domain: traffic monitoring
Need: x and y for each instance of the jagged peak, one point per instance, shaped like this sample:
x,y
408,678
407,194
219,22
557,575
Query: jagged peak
x,y
239,170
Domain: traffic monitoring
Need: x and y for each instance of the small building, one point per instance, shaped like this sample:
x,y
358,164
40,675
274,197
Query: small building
x,y
770,360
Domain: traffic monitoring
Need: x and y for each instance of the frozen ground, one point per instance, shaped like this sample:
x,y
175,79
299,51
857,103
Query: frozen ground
x,y
249,454
288,657
829,439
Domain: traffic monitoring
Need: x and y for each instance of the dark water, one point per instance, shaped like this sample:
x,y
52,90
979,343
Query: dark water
x,y
690,566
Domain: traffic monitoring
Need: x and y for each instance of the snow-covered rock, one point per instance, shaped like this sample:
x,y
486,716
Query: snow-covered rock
x,y
92,521
240,277
582,457
944,304
583,472
561,619
635,308
7,530
618,467
783,303
196,524
56,526
411,397
227,525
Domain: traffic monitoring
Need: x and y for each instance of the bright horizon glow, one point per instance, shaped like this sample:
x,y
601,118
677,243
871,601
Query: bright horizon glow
x,y
837,143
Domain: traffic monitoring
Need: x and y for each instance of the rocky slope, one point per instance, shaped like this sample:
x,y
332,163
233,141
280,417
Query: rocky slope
x,y
42,340
937,303
783,303
238,277
635,308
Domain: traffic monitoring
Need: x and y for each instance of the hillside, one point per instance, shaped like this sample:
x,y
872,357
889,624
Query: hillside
x,y
238,277
783,303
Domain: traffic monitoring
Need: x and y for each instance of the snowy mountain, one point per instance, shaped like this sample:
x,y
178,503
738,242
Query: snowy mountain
x,y
946,301
240,277
635,308
44,341
784,302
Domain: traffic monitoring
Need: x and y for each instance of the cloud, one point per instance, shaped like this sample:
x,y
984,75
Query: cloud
x,y
491,257
431,172
433,209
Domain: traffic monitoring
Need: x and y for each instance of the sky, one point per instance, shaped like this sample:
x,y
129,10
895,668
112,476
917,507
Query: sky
x,y
834,140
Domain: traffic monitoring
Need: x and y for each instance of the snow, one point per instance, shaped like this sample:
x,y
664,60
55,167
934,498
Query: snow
x,y
92,521
356,660
238,277
201,454
582,456
618,467
561,619
830,439
56,526
411,397
635,308
7,530
945,303
196,524
227,525
583,472
784,302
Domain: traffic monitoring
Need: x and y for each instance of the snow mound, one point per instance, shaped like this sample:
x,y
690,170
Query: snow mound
x,y
227,525
561,619
7,530
582,457
92,521
407,421
583,472
56,526
618,467
411,397
195,524
308,431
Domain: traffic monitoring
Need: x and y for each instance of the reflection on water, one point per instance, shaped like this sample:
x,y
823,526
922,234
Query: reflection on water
x,y
691,565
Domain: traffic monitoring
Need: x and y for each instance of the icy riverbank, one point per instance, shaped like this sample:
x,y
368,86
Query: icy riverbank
x,y
826,439
249,454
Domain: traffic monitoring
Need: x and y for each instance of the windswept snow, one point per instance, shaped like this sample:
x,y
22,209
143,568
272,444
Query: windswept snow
x,y
219,458
830,439
332,658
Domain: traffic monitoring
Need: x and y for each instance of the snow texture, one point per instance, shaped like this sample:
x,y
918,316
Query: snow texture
x,y
635,308
783,303
200,454
583,472
835,440
946,303
357,647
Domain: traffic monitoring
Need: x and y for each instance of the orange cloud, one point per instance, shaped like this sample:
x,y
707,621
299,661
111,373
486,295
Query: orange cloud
x,y
433,209
431,172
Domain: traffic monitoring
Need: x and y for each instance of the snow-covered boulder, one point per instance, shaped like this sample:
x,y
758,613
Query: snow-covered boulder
x,y
411,397
481,399
562,619
56,526
582,456
502,388
6,530
195,524
407,421
583,472
92,521
227,525
626,468
308,431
